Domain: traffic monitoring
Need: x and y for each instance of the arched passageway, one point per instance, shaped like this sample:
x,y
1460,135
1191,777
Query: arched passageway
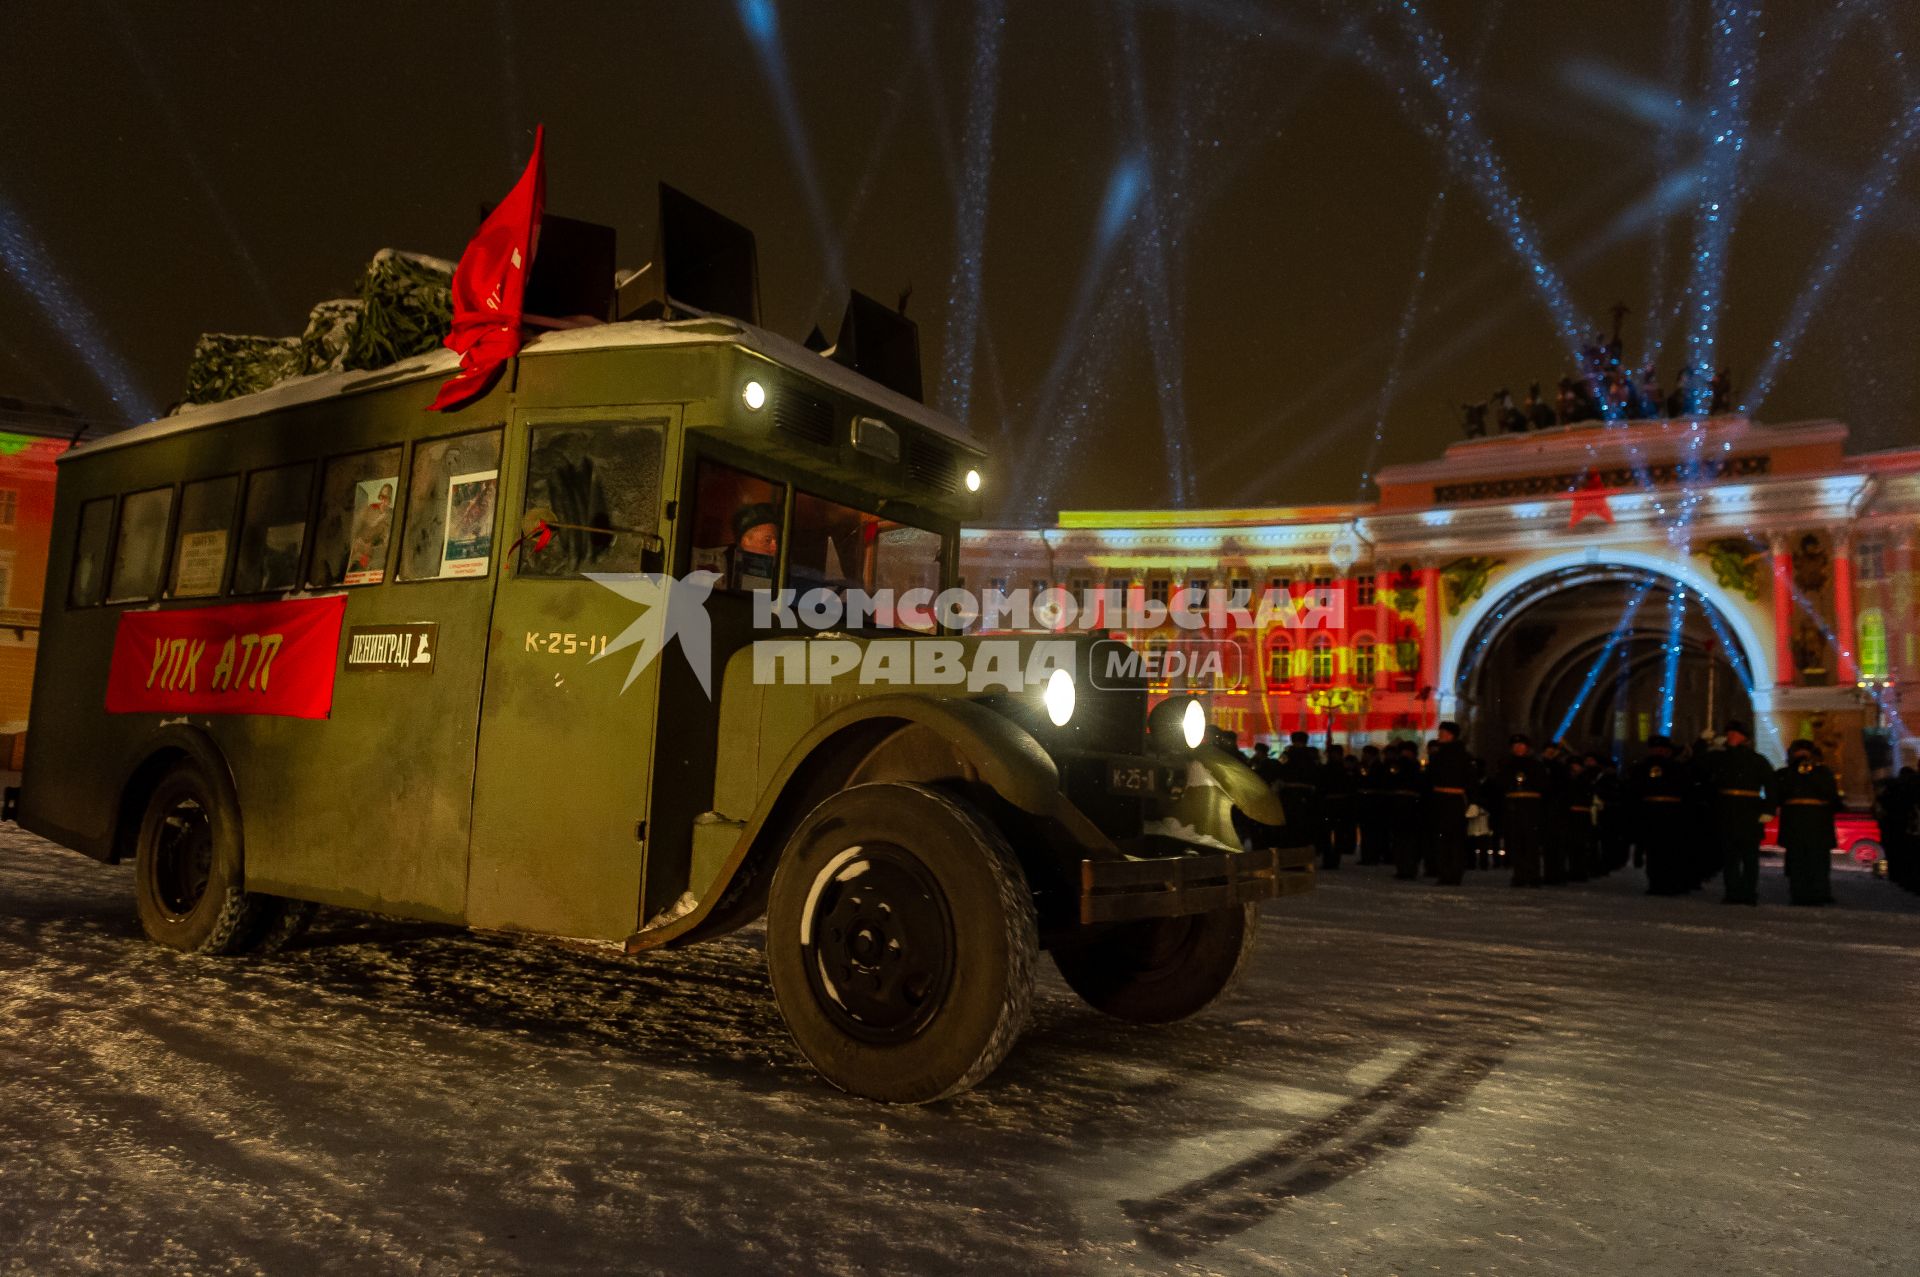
x,y
1581,652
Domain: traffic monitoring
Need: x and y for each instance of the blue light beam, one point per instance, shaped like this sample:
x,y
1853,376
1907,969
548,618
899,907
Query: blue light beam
x,y
1614,640
1732,34
762,24
970,214
33,270
1867,202
1670,671
1163,315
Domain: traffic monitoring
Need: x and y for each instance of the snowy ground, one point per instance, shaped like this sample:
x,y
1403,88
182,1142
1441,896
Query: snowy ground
x,y
1414,1079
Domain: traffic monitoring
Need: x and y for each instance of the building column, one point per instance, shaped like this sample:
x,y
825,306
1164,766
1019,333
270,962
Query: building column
x,y
1845,626
1784,674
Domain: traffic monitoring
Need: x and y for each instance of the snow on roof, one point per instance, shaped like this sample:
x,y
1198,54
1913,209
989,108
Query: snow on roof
x,y
318,386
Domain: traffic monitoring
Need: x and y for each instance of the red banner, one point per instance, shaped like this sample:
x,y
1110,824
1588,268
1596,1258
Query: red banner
x,y
248,658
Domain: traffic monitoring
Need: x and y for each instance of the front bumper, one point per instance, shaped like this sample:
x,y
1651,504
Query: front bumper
x,y
1166,877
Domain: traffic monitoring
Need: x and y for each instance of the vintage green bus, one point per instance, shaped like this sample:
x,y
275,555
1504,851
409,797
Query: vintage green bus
x,y
318,645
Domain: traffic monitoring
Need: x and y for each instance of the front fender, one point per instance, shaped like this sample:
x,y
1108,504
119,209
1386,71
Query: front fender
x,y
992,751
1241,785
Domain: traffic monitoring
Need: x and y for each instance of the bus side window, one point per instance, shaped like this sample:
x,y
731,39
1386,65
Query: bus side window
x,y
200,539
735,529
358,496
87,585
450,508
140,548
596,488
273,529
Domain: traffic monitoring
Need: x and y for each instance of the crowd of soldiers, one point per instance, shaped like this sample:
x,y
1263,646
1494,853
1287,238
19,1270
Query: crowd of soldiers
x,y
1681,814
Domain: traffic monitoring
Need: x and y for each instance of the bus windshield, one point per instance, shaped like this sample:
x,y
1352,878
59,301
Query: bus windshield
x,y
838,547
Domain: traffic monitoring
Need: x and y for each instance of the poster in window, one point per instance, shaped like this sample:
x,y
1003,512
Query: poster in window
x,y
203,557
372,524
469,535
280,555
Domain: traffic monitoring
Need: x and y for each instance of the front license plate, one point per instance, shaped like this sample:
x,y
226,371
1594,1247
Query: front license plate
x,y
1143,779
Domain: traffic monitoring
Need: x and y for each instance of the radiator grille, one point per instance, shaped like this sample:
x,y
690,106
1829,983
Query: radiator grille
x,y
803,416
931,465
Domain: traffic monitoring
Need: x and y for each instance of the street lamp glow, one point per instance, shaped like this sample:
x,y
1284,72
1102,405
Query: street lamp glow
x,y
754,395
1193,724
973,481
1059,698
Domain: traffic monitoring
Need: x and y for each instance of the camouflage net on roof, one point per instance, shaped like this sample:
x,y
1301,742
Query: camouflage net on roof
x,y
405,308
226,365
323,347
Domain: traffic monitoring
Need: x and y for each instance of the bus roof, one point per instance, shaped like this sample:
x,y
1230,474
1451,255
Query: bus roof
x,y
688,332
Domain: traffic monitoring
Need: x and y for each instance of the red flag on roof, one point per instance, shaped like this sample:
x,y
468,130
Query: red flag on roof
x,y
490,283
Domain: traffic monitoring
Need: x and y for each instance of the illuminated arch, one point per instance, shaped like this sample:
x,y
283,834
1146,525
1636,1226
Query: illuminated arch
x,y
1513,588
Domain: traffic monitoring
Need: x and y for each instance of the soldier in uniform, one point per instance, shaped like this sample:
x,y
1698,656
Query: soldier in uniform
x,y
1657,790
1737,779
1264,764
1374,815
1298,787
1335,792
1406,800
1807,795
1615,825
1449,789
1704,859
1898,810
1517,791
1572,824
1553,846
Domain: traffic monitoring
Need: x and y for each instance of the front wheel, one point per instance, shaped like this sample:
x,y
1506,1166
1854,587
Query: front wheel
x,y
1161,969
901,943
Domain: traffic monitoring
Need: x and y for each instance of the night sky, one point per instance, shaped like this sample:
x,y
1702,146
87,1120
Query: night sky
x,y
1203,217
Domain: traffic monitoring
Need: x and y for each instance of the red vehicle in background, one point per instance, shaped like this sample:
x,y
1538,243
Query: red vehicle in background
x,y
1859,835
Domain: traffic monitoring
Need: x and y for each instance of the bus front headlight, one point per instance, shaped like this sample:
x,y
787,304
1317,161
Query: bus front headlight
x,y
1193,724
1058,698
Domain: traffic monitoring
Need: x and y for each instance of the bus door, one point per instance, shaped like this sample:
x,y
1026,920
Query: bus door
x,y
566,740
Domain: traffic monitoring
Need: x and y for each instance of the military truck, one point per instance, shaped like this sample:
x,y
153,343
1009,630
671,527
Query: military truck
x,y
316,645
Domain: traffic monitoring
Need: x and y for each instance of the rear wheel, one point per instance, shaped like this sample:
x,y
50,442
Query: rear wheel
x,y
187,867
901,943
1161,969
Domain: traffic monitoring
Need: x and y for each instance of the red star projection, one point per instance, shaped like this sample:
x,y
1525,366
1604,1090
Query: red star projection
x,y
1589,501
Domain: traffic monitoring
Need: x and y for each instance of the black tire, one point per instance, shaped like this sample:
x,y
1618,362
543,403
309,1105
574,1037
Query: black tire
x,y
187,867
913,985
1160,970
